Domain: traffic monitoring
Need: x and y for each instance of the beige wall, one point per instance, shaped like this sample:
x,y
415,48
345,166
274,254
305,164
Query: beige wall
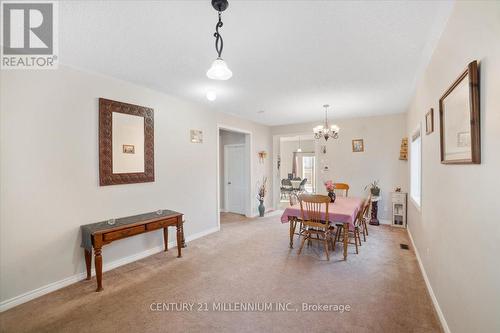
x,y
457,231
50,182
382,140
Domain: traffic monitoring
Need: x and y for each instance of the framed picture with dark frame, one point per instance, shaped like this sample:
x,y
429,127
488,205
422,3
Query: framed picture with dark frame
x,y
429,122
460,132
126,143
358,146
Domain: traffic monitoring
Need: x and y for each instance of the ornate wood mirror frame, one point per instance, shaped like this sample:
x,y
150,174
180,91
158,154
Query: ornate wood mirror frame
x,y
460,132
106,176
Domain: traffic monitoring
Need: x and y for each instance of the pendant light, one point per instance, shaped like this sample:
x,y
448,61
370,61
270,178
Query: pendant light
x,y
326,131
219,69
299,150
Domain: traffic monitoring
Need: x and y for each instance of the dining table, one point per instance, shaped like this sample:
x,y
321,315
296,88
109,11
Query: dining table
x,y
343,211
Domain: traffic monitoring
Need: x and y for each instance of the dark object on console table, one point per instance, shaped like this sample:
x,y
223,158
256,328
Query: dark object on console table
x,y
96,235
374,219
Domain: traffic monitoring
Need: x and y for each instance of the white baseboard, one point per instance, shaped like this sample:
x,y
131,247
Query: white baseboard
x,y
442,319
28,296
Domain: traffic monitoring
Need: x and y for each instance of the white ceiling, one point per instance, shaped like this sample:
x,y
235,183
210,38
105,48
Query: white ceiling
x,y
288,57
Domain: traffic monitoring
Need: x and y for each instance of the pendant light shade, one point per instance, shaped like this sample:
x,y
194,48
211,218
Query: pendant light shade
x,y
219,70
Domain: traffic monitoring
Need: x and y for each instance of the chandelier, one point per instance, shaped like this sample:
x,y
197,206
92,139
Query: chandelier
x,y
325,131
219,69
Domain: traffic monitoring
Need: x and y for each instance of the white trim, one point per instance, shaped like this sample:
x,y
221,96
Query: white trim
x,y
440,314
35,293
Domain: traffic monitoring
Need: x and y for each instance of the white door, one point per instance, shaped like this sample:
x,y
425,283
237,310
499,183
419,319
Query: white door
x,y
234,171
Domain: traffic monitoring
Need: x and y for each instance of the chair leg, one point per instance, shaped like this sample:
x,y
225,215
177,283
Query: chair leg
x,y
302,243
356,241
336,237
331,242
359,236
325,243
366,227
364,231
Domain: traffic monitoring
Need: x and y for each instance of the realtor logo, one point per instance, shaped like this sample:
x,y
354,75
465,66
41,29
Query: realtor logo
x,y
29,39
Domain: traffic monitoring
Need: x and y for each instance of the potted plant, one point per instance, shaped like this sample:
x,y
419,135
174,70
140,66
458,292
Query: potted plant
x,y
261,193
374,188
330,188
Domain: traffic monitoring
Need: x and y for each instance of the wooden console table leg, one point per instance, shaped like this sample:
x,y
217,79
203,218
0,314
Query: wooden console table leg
x,y
88,262
183,239
98,260
165,238
179,239
98,268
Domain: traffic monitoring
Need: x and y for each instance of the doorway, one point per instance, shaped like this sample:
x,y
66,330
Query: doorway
x,y
296,163
234,174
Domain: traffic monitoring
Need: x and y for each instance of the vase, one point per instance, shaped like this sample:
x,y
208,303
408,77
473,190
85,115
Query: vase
x,y
375,191
262,209
332,196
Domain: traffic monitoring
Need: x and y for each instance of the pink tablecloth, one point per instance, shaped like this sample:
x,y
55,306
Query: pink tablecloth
x,y
343,210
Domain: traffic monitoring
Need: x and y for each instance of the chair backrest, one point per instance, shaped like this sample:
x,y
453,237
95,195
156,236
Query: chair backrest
x,y
312,214
362,212
341,187
368,202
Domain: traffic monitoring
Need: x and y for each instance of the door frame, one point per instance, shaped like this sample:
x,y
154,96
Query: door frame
x,y
226,196
249,204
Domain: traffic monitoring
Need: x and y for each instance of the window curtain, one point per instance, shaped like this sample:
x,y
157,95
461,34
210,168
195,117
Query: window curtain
x,y
295,164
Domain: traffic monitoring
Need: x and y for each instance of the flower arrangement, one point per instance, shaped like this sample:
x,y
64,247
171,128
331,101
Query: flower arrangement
x,y
262,189
374,188
329,186
261,193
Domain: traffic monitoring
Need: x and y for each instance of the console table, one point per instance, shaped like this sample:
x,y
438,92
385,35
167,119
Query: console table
x,y
95,235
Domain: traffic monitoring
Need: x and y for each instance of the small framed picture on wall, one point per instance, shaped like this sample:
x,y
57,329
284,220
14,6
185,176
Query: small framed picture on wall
x,y
358,146
429,122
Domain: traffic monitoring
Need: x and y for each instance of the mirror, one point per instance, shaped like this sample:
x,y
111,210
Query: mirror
x,y
459,118
126,143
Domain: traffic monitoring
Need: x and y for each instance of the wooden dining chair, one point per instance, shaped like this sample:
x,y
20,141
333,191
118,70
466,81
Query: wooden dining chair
x,y
314,223
341,188
339,235
364,216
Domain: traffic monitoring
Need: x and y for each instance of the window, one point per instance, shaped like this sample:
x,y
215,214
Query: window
x,y
416,167
308,172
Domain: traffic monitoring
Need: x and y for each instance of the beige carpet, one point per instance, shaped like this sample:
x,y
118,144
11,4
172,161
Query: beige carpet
x,y
248,261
